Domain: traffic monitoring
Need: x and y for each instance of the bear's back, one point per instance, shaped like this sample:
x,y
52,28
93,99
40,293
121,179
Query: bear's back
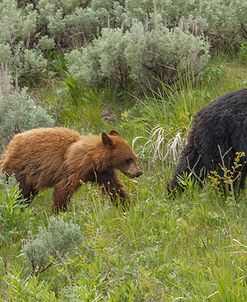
x,y
228,106
38,154
41,141
221,124
225,114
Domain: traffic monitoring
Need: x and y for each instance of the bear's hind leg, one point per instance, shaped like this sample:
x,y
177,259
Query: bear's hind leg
x,y
30,194
28,191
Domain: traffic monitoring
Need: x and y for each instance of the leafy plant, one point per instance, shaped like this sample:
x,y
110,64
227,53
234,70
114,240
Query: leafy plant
x,y
228,176
145,57
51,244
211,73
14,214
31,289
18,111
243,52
29,30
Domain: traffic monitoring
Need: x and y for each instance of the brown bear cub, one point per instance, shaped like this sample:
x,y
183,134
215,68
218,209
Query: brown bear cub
x,y
63,159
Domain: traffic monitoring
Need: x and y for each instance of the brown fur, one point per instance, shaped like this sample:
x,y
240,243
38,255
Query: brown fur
x,y
63,159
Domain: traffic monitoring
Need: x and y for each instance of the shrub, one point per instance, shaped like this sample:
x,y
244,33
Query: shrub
x,y
52,243
222,22
88,58
212,73
16,24
34,61
142,56
103,60
14,218
30,29
170,11
164,55
18,112
18,27
46,43
5,53
226,22
75,22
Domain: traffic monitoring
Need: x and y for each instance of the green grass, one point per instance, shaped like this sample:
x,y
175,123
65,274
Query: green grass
x,y
192,248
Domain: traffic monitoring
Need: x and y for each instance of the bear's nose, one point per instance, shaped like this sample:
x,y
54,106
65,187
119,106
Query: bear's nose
x,y
139,173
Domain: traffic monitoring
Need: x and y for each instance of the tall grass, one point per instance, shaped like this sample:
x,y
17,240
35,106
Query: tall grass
x,y
192,248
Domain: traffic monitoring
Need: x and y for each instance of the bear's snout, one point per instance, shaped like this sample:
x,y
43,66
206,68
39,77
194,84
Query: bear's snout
x,y
139,173
133,172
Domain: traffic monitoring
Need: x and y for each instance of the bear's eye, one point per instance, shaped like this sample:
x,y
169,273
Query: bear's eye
x,y
129,160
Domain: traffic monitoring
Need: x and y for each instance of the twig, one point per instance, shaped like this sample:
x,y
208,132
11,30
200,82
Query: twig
x,y
65,267
232,192
192,171
36,272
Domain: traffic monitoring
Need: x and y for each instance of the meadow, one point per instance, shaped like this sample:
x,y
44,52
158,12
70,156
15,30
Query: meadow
x,y
191,248
143,68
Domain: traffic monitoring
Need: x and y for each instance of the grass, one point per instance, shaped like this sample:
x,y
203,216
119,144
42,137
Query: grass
x,y
192,248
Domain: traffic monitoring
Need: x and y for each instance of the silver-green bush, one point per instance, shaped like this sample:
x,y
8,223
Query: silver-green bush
x,y
139,55
18,26
14,214
222,22
18,111
52,243
31,31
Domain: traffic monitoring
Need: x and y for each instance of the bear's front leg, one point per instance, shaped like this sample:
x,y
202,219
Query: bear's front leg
x,y
111,185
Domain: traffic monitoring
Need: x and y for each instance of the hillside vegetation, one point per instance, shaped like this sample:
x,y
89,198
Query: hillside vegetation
x,y
192,248
143,68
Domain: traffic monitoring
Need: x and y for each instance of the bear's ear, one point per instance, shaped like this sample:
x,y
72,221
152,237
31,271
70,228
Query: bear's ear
x,y
107,140
114,132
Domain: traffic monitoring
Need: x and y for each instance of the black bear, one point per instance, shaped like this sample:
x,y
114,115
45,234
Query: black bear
x,y
218,132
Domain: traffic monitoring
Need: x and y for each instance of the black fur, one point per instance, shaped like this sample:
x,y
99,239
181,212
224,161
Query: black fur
x,y
218,129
